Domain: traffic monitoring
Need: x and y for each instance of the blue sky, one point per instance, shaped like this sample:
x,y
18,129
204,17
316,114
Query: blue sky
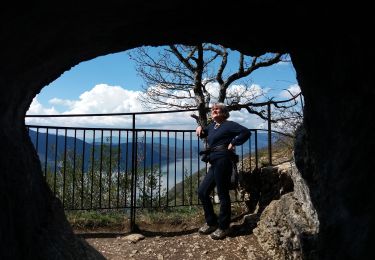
x,y
110,84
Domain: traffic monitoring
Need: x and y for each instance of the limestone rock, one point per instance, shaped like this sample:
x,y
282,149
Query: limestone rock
x,y
288,226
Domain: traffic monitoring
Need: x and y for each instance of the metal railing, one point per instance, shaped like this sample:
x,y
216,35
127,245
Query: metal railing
x,y
115,168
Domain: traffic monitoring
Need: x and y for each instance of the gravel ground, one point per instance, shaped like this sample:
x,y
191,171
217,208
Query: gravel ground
x,y
179,242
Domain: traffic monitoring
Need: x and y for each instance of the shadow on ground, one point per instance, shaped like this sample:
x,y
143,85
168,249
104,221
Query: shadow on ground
x,y
241,225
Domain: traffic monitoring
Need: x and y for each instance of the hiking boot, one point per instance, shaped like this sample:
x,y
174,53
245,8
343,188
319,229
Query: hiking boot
x,y
206,229
220,233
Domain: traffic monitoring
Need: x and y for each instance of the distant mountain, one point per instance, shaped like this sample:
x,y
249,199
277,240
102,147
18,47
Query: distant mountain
x,y
156,139
55,144
51,147
58,146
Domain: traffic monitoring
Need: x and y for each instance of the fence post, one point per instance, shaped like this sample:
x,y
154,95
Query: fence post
x,y
269,134
133,188
256,149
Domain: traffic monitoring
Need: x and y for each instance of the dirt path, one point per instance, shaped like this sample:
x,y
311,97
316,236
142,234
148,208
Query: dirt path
x,y
185,244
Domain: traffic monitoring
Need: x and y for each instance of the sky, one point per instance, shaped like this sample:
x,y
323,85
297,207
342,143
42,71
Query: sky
x,y
110,84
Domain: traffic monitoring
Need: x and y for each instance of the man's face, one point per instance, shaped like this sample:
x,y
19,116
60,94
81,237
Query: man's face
x,y
216,112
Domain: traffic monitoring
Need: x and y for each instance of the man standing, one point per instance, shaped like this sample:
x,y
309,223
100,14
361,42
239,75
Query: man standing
x,y
222,137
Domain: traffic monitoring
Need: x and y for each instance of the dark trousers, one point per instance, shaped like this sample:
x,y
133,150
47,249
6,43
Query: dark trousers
x,y
219,175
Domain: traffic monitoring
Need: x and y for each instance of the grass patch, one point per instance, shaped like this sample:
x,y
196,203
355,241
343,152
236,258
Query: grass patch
x,y
172,216
119,219
166,219
95,219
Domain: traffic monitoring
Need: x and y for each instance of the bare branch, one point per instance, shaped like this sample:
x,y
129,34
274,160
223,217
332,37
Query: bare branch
x,y
183,60
179,75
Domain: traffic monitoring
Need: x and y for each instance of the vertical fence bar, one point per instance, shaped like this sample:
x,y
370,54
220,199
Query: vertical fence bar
x,y
144,168
191,168
136,177
199,168
118,168
175,168
83,167
110,169
160,173
55,169
167,204
127,169
242,156
92,169
101,169
183,169
269,133
45,156
256,149
74,168
132,197
37,141
152,167
64,170
249,154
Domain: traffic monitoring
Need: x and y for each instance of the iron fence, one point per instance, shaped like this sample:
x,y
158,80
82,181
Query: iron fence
x,y
119,168
103,168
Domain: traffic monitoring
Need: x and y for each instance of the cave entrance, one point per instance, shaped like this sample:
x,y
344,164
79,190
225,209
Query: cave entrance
x,y
87,160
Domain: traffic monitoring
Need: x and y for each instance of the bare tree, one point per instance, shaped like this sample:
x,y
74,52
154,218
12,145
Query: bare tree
x,y
289,114
286,116
188,77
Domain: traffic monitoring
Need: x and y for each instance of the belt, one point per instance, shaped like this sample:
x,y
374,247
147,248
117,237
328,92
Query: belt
x,y
222,147
218,148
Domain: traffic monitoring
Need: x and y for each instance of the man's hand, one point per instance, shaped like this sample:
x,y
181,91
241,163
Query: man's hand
x,y
199,131
231,147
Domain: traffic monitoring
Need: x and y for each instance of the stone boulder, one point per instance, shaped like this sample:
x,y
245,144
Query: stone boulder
x,y
288,223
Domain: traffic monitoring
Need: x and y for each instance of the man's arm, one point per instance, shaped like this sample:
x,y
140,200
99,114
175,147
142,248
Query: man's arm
x,y
201,132
243,135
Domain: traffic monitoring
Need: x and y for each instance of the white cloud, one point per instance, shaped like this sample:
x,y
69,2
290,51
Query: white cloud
x,y
254,90
294,89
244,118
104,98
62,102
251,94
37,109
101,99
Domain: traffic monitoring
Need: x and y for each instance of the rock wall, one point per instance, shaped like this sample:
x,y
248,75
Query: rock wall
x,y
288,225
334,149
332,51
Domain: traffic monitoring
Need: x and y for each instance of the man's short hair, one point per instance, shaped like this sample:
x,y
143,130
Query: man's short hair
x,y
223,108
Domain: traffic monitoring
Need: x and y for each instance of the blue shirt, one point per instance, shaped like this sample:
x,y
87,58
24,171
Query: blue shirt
x,y
228,132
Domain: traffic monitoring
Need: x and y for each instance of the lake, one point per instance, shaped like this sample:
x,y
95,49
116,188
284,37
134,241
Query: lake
x,y
172,173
